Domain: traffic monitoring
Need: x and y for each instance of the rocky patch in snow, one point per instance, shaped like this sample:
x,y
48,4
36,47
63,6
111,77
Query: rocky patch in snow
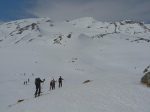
x,y
32,26
139,39
146,78
87,81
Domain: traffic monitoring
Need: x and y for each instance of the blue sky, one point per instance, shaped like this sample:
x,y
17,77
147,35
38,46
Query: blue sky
x,y
103,10
15,9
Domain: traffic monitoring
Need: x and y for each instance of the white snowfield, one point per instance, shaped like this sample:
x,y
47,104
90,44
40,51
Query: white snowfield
x,y
111,55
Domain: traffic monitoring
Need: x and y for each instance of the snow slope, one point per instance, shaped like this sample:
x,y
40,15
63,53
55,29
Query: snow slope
x,y
111,55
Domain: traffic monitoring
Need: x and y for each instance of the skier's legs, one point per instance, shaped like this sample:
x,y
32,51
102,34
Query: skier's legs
x,y
50,87
61,84
36,91
39,90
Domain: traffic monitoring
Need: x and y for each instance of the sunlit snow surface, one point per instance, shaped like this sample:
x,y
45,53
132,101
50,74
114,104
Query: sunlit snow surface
x,y
113,61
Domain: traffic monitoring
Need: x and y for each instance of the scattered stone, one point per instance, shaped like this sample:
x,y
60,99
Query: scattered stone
x,y
58,40
21,100
87,81
67,21
69,35
51,25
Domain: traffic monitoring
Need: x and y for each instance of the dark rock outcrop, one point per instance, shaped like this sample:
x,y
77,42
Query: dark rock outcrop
x,y
146,79
87,81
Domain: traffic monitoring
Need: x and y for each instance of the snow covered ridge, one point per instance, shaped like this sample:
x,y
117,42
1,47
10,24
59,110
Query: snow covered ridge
x,y
32,29
22,30
126,26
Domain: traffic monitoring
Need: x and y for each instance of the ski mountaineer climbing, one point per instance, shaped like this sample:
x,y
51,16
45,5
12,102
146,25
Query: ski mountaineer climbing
x,y
60,81
53,84
38,82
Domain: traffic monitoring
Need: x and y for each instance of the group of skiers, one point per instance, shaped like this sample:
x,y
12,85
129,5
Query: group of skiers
x,y
26,82
38,82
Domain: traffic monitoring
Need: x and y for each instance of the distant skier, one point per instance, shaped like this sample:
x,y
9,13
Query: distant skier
x,y
38,82
51,85
28,80
60,81
32,74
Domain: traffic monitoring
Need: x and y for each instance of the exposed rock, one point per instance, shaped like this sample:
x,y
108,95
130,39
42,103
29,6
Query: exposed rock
x,y
21,100
58,40
146,79
130,22
51,25
141,39
48,20
19,30
69,35
146,69
87,81
148,83
67,20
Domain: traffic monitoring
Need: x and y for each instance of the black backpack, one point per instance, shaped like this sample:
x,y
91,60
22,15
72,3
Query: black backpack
x,y
37,80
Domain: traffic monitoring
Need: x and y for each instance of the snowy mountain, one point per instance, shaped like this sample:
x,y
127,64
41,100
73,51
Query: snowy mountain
x,y
110,56
34,29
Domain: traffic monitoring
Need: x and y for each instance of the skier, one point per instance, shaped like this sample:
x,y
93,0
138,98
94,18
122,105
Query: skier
x,y
28,80
53,84
38,82
60,81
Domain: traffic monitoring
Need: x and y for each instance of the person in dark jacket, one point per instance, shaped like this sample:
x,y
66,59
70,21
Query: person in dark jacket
x,y
51,85
28,80
60,81
38,82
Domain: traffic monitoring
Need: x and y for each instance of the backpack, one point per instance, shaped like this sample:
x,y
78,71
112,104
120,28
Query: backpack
x,y
37,80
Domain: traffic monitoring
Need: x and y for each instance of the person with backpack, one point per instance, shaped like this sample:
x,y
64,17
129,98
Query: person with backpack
x,y
28,80
38,82
51,85
60,81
